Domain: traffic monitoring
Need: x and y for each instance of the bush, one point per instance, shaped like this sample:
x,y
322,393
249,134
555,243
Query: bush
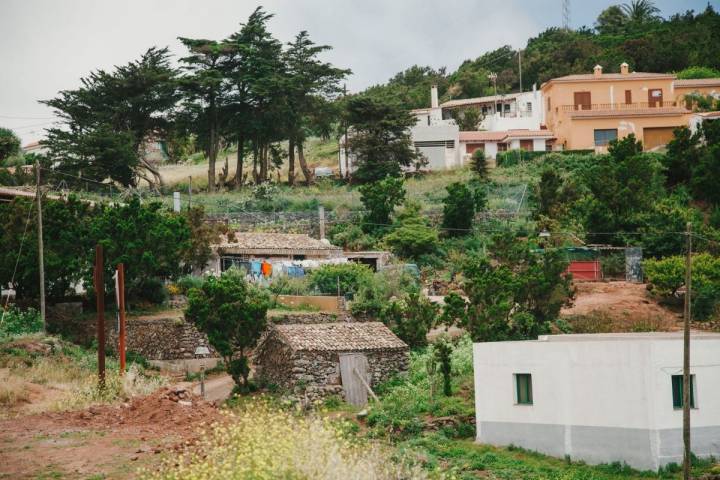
x,y
349,275
18,322
458,210
153,291
373,296
698,72
188,282
410,318
380,199
412,236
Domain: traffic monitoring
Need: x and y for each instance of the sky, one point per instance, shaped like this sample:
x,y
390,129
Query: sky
x,y
48,45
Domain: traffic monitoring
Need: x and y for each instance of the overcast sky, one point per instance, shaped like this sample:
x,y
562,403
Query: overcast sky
x,y
47,45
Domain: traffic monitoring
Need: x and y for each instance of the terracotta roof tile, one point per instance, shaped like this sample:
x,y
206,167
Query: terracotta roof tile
x,y
590,77
519,133
335,337
275,241
482,136
698,82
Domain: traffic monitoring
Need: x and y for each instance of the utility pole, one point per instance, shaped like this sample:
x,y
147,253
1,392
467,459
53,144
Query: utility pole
x,y
321,215
41,249
100,304
493,78
345,140
686,354
520,67
121,309
190,193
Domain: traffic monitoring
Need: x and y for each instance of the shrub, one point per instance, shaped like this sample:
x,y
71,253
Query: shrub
x,y
373,296
380,199
698,72
412,236
348,277
233,314
18,322
188,282
458,210
266,442
410,318
480,163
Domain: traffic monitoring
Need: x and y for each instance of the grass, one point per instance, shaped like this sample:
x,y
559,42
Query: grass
x,y
48,364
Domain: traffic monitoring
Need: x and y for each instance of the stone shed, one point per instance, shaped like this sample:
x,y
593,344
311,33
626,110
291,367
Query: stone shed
x,y
318,360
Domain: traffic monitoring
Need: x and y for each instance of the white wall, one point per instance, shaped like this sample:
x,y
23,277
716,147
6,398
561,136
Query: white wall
x,y
538,144
598,398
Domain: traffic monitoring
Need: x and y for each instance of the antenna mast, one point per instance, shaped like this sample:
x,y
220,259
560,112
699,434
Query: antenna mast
x,y
566,14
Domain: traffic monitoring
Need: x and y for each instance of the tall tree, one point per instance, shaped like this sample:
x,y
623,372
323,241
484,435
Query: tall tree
x,y
111,117
206,93
379,138
308,83
9,144
641,11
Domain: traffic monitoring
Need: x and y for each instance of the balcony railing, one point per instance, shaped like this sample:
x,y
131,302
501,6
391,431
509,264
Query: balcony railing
x,y
620,106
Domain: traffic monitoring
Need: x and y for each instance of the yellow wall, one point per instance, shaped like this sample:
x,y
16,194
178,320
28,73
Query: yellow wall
x,y
680,92
578,133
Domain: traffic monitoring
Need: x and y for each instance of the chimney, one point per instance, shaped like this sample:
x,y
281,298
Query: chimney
x,y
597,71
433,97
624,67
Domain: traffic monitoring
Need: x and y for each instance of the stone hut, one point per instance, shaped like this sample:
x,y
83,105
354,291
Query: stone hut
x,y
318,360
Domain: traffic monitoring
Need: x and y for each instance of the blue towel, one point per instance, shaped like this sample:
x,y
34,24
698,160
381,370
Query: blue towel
x,y
256,268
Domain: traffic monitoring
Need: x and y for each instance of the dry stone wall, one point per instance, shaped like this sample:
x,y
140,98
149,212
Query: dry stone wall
x,y
161,338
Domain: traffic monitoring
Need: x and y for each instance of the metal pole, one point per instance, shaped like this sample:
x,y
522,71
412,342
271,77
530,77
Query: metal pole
x,y
41,248
100,299
686,355
121,307
202,380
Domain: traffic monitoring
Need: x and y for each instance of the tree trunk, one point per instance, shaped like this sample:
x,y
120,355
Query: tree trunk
x,y
212,147
263,163
240,161
255,161
291,161
303,164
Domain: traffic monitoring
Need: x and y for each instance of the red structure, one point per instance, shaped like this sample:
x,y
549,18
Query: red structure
x,y
585,270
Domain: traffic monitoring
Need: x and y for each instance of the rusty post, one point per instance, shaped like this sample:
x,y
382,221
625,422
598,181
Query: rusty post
x,y
121,308
100,298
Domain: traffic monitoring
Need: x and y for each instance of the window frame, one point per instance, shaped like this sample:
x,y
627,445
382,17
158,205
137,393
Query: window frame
x,y
526,399
595,139
676,385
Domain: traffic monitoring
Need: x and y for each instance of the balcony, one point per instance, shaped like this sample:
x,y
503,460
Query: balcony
x,y
625,109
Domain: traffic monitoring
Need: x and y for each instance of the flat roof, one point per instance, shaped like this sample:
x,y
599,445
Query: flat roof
x,y
615,337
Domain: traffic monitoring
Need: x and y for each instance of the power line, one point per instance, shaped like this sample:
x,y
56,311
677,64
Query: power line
x,y
26,118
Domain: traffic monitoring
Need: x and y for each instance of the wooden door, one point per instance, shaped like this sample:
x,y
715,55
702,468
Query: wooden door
x,y
526,145
657,137
655,97
353,368
628,97
582,100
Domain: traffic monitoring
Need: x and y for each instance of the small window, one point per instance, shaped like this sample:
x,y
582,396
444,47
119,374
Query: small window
x,y
528,107
677,391
507,107
603,137
523,389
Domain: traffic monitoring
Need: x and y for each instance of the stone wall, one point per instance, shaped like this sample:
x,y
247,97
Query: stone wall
x,y
160,338
308,318
316,375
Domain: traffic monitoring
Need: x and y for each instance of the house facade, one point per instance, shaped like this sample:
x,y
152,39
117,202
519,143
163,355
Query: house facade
x,y
588,111
599,398
699,86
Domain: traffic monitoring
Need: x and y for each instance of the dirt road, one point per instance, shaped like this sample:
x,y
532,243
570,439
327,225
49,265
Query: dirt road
x,y
102,441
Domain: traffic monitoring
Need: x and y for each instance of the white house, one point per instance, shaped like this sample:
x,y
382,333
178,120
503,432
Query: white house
x,y
599,398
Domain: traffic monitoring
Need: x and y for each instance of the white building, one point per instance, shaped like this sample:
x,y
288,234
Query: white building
x,y
599,398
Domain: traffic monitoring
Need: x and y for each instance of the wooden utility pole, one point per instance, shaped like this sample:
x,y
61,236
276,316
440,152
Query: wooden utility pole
x,y
686,354
520,68
321,215
100,303
121,309
41,249
190,193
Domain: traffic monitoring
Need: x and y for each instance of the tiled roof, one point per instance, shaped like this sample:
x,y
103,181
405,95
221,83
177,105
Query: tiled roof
x,y
279,242
590,77
473,101
698,82
504,135
339,337
482,136
520,133
638,112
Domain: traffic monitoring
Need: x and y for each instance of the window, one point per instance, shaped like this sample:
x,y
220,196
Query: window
x,y
507,107
677,391
603,137
628,96
523,389
528,107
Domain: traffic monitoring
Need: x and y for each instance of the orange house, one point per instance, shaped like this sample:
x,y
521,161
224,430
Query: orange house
x,y
700,86
588,111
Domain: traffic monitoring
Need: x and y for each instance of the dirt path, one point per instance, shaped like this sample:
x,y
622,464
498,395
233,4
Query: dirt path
x,y
102,441
624,302
217,389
